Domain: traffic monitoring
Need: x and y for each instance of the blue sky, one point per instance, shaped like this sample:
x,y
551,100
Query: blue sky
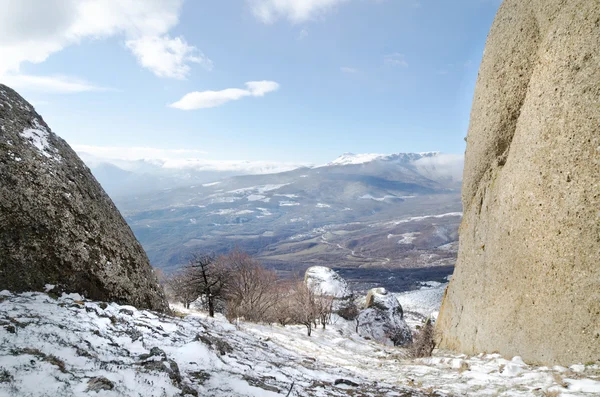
x,y
329,76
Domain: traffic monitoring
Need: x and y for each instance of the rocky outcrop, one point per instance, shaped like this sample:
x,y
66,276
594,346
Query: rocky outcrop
x,y
382,319
57,226
380,298
326,281
527,281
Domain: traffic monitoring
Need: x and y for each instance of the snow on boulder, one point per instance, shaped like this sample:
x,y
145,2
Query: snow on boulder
x,y
381,299
327,282
382,319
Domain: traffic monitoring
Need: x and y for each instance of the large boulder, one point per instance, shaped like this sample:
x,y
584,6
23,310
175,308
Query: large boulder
x,y
380,298
327,282
382,319
527,280
57,224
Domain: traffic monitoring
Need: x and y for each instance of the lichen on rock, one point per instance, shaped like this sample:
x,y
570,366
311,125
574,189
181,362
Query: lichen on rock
x,y
57,225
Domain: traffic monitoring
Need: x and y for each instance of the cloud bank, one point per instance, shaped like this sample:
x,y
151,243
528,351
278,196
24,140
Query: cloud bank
x,y
152,160
448,166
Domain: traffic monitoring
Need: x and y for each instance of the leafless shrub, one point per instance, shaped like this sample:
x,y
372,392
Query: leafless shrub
x,y
181,288
283,310
349,311
251,290
304,308
308,306
424,342
324,307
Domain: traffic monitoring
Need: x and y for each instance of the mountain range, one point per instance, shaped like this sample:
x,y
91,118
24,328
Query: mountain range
x,y
358,211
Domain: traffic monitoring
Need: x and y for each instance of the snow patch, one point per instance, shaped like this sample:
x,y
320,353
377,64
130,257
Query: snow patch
x,y
38,137
258,197
408,238
326,281
288,203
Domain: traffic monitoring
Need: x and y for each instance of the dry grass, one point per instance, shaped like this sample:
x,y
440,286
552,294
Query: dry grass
x,y
424,342
559,380
551,393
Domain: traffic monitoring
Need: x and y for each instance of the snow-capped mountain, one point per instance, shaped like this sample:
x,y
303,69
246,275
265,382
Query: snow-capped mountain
x,y
125,177
353,159
360,210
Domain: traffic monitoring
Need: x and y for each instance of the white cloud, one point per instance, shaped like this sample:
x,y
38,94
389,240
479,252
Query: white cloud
x,y
167,57
238,166
32,30
445,166
211,99
136,152
296,11
52,84
395,59
349,70
151,160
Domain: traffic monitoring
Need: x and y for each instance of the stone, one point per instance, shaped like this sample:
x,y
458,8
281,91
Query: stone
x,y
380,298
57,224
326,281
382,319
157,360
221,346
100,383
527,280
345,382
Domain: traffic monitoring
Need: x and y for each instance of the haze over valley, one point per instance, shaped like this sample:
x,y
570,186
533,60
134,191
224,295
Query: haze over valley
x,y
359,211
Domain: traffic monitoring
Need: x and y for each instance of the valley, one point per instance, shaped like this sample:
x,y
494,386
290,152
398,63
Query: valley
x,y
363,212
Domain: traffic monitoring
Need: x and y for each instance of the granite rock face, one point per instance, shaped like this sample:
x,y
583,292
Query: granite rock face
x,y
527,280
57,225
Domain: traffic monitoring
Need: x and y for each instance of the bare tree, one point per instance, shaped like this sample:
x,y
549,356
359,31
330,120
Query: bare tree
x,y
251,290
348,309
305,309
181,287
208,277
282,311
323,307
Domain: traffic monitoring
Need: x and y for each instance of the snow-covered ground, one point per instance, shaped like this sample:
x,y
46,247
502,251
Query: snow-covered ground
x,y
68,346
420,304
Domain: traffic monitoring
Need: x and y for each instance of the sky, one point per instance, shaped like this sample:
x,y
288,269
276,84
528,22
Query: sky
x,y
294,81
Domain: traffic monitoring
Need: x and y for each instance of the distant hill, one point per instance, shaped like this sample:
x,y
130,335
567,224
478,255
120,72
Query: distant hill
x,y
399,210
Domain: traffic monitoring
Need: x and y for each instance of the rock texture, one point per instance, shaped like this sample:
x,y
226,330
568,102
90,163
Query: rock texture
x,y
327,282
383,320
527,281
57,226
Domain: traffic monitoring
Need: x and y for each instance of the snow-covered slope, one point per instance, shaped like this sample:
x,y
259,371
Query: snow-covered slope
x,y
420,304
72,347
